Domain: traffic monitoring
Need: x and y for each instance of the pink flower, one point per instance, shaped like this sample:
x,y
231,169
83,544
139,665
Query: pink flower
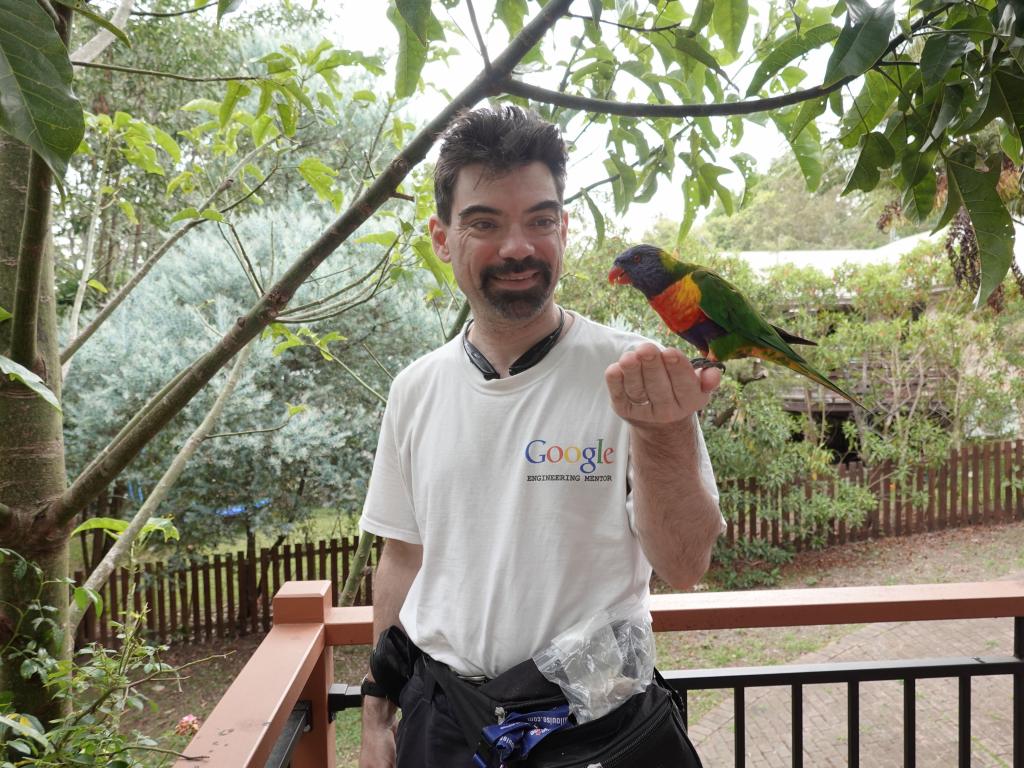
x,y
189,724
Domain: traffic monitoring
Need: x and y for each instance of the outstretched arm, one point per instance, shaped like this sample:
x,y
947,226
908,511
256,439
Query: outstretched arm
x,y
677,519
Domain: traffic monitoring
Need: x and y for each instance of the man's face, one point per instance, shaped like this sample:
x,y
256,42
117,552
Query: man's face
x,y
505,240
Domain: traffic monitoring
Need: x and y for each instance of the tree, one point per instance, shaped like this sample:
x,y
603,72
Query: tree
x,y
916,109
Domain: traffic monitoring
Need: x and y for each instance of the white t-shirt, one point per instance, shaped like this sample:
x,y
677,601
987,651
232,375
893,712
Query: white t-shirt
x,y
516,489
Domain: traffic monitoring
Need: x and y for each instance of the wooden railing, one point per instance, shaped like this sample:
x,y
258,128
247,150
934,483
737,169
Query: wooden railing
x,y
293,663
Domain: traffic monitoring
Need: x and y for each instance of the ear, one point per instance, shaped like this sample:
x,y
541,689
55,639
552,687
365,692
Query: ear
x,y
439,238
564,228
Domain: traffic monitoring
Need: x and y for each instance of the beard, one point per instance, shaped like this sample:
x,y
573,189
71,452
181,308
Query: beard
x,y
518,304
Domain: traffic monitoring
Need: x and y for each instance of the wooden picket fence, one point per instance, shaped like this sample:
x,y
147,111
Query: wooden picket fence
x,y
226,596
981,483
218,597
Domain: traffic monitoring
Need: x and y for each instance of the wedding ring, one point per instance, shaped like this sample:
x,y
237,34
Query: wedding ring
x,y
638,404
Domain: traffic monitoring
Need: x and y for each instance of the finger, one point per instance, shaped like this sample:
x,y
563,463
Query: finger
x,y
632,367
657,386
683,379
710,378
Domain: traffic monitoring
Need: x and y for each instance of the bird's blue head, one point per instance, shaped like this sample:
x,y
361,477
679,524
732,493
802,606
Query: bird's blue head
x,y
645,267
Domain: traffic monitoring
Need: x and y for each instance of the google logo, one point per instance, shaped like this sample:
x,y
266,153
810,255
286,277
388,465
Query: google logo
x,y
588,458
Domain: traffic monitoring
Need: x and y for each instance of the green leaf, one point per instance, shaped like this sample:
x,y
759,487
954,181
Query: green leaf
x,y
702,15
294,341
224,7
1008,95
128,210
412,55
598,219
875,152
790,47
919,199
368,96
38,107
109,524
85,596
809,111
212,214
870,107
185,213
321,178
416,14
939,54
163,525
294,410
79,7
233,93
21,725
441,271
16,372
97,285
595,10
807,150
288,116
864,38
992,223
952,97
729,19
692,48
5,315
511,13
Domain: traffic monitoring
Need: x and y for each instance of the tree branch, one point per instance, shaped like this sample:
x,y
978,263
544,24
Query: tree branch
x,y
643,109
124,542
102,39
169,14
170,75
666,28
31,253
713,109
76,343
114,458
479,36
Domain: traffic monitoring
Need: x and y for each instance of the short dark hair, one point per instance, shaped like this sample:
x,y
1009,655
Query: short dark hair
x,y
499,139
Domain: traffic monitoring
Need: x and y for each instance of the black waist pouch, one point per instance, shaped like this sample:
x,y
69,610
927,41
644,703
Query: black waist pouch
x,y
644,732
392,661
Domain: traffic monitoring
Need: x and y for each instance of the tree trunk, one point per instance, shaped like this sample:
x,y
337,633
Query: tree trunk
x,y
32,471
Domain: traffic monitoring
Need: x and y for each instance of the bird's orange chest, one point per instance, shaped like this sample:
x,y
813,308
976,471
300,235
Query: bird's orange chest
x,y
679,305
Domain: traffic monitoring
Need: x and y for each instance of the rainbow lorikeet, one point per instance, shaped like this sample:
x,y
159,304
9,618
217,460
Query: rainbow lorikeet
x,y
710,313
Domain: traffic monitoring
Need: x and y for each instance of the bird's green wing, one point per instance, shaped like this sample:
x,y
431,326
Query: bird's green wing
x,y
722,302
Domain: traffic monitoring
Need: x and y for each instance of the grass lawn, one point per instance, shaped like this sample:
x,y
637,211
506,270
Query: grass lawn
x,y
966,554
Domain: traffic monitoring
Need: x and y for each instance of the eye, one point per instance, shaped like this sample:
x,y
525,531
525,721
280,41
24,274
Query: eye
x,y
547,222
482,225
636,258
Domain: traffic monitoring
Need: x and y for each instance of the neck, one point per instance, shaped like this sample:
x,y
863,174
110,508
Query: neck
x,y
503,341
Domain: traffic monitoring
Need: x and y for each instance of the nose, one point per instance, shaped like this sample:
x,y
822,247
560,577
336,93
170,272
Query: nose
x,y
516,244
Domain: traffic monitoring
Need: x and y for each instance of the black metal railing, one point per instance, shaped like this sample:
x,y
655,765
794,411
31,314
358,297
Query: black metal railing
x,y
909,671
299,721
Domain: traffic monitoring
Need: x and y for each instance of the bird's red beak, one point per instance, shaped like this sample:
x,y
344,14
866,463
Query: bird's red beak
x,y
618,276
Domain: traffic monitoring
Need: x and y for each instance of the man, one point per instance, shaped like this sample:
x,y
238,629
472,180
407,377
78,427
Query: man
x,y
532,471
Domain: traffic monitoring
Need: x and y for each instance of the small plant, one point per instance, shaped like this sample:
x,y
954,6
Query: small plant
x,y
97,688
748,564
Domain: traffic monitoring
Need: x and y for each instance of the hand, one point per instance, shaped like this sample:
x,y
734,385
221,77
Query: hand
x,y
650,386
377,746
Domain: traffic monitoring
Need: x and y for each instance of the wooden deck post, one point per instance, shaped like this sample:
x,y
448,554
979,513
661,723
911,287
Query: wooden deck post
x,y
300,602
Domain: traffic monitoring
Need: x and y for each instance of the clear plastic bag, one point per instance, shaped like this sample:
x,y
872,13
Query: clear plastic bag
x,y
601,661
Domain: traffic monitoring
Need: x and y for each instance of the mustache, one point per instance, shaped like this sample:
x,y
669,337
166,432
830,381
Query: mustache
x,y
515,267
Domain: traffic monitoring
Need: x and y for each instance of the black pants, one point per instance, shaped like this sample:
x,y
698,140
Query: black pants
x,y
428,735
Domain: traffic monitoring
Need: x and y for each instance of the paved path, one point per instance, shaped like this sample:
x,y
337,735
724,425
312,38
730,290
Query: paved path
x,y
768,731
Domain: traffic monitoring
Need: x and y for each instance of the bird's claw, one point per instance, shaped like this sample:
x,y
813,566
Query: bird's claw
x,y
703,362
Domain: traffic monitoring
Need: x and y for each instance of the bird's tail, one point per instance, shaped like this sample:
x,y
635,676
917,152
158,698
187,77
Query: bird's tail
x,y
806,369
